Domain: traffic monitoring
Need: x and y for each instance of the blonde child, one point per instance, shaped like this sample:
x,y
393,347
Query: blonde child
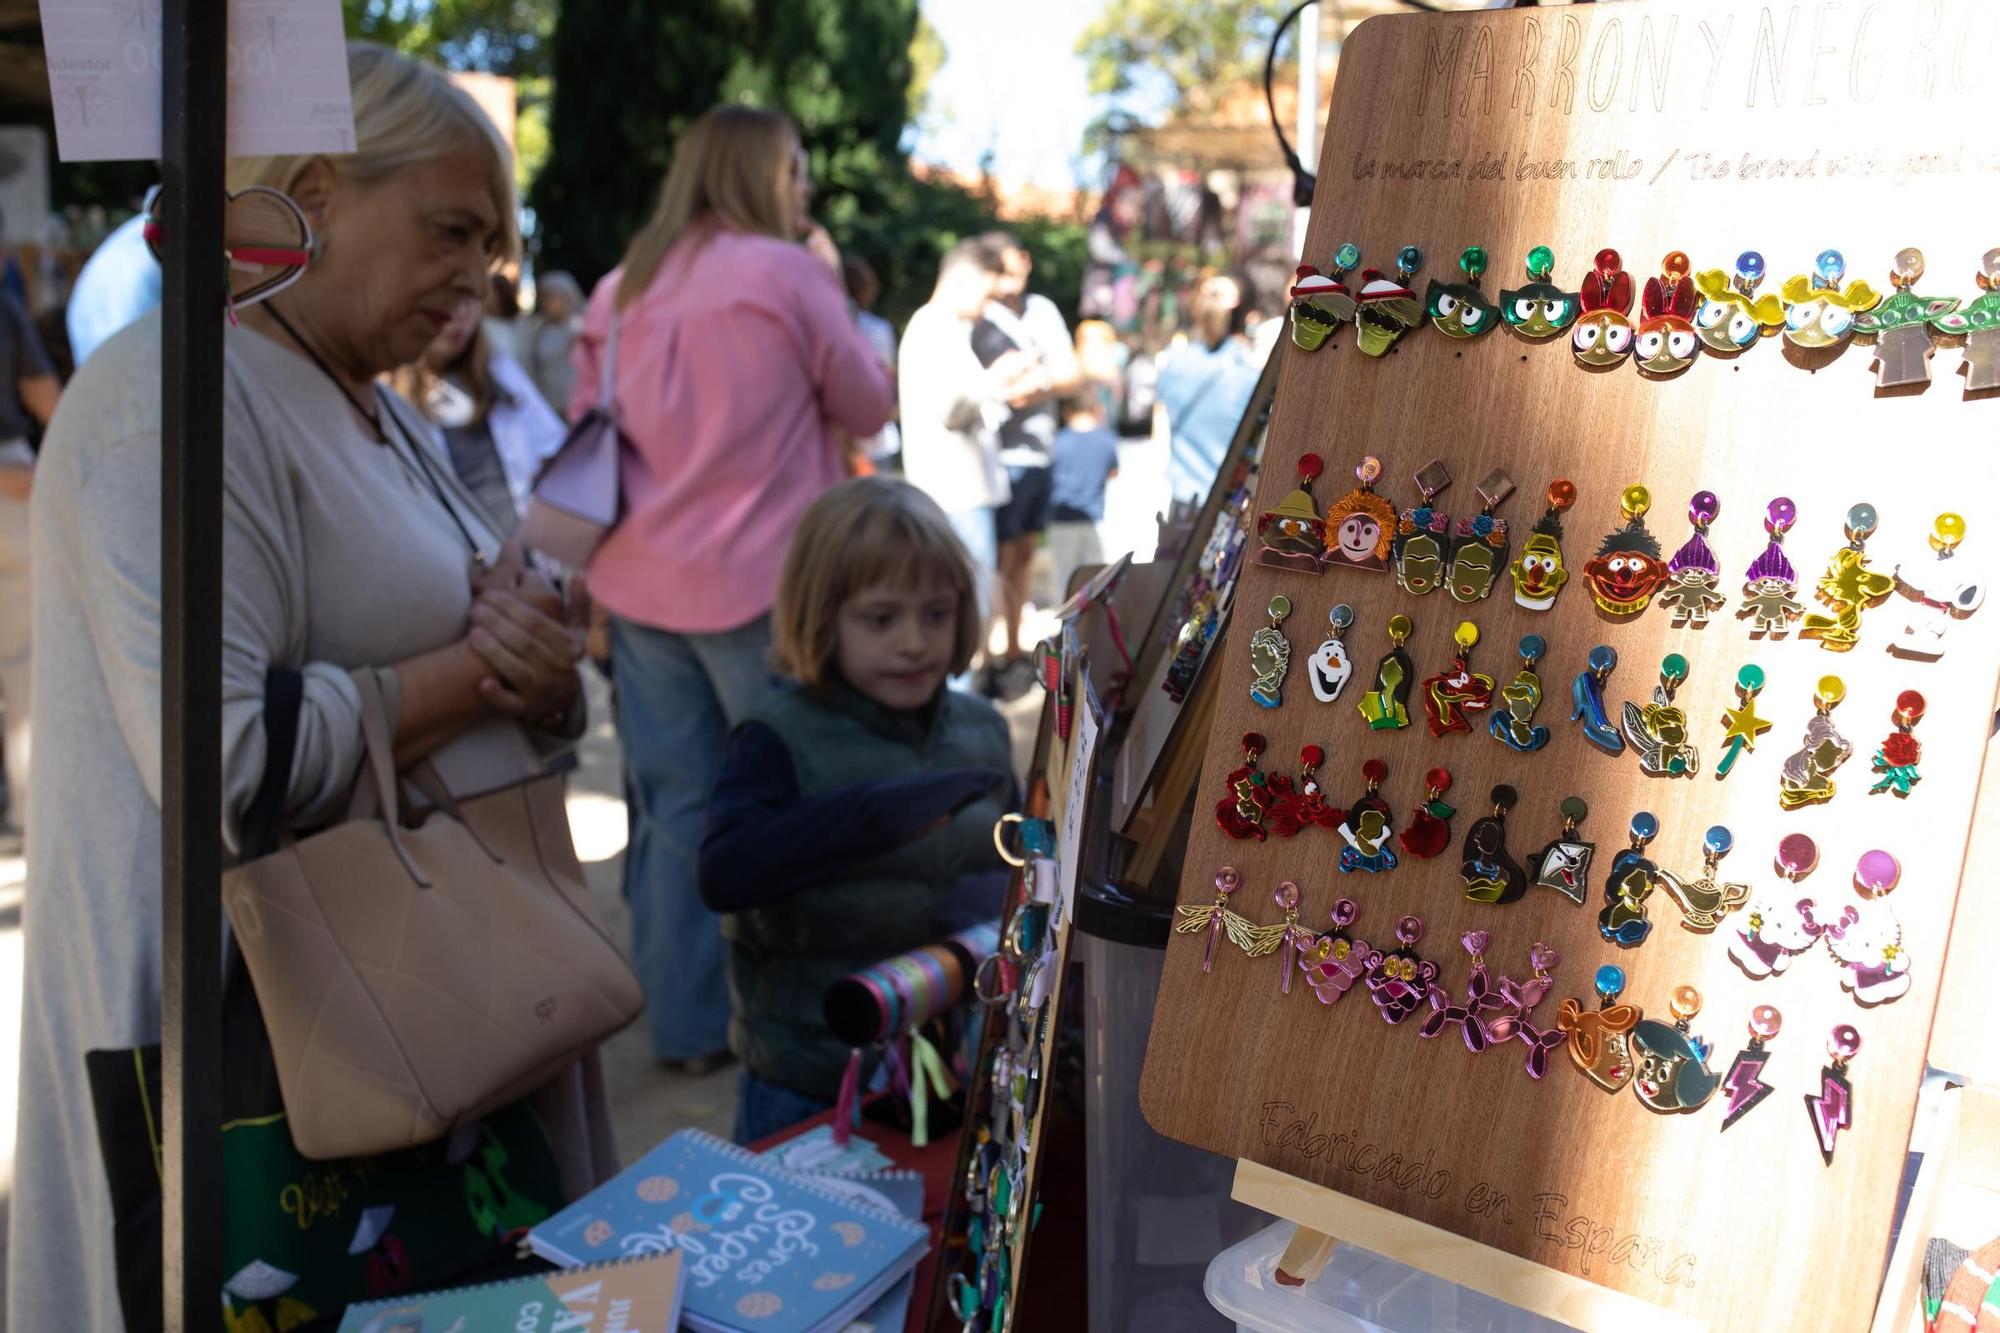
x,y
853,817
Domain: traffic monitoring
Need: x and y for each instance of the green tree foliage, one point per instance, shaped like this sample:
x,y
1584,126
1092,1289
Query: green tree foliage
x,y
508,37
1189,54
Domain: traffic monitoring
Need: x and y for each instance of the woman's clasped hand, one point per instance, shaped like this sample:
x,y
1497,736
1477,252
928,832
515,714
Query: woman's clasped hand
x,y
532,636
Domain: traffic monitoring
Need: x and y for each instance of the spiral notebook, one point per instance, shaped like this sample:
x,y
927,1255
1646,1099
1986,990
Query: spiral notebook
x,y
640,1295
763,1249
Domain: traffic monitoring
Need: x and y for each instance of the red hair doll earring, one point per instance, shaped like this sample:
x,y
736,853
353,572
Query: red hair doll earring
x,y
1240,814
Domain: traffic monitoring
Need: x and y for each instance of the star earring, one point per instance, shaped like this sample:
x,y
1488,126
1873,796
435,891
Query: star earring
x,y
1740,725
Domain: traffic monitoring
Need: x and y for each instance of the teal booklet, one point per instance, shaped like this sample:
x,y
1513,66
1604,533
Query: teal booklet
x,y
634,1296
763,1249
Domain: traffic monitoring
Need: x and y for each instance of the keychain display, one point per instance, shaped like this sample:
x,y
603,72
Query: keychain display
x,y
1692,593
1741,726
1386,308
1539,572
1321,304
1399,979
1366,828
1539,310
1336,959
1628,568
1297,808
1665,343
1897,757
1479,543
1901,325
1429,830
1770,585
1807,776
1218,920
1271,655
1732,316
1469,1018
1460,309
1702,901
1387,706
1602,335
1490,873
1658,731
1456,694
1513,1020
1600,1040
1979,325
1937,592
1564,864
1240,813
1831,1109
1587,700
1423,534
1819,313
1361,525
1782,923
1513,724
1743,1086
1673,1074
1292,536
1329,669
1623,919
1848,587
1868,942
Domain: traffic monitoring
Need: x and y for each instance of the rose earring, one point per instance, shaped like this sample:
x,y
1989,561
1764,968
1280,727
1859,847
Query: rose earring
x,y
1429,831
1744,1083
1399,980
1781,924
1673,1076
1479,997
1740,725
1457,691
1623,921
1514,725
1896,759
1702,901
1869,944
1587,700
1564,865
1490,874
1337,960
1807,777
1833,1109
1658,731
1693,573
1367,826
1600,1041
1240,813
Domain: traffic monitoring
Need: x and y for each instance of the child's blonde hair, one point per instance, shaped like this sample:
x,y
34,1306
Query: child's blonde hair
x,y
861,534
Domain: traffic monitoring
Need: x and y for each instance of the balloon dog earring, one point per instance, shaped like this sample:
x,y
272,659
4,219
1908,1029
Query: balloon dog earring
x,y
1832,1110
1514,1021
1479,997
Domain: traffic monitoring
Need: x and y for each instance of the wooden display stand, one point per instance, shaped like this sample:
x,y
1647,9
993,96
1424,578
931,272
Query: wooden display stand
x,y
1649,127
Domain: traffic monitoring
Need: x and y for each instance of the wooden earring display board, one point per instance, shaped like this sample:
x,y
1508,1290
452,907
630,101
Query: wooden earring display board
x,y
1650,127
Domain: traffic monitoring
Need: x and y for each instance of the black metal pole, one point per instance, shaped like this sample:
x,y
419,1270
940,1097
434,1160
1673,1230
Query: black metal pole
x,y
193,47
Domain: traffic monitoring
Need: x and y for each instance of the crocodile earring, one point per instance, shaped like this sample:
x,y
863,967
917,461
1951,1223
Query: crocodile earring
x,y
1623,921
1490,874
1587,701
1702,901
1564,865
1429,831
1832,1110
1514,725
1807,777
1744,1083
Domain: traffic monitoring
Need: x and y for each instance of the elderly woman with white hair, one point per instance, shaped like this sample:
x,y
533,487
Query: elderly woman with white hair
x,y
348,549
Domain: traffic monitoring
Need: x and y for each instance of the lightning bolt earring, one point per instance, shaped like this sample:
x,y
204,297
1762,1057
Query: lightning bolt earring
x,y
1744,1084
1832,1110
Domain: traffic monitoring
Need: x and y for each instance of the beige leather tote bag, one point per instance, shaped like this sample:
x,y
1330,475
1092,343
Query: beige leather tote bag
x,y
415,978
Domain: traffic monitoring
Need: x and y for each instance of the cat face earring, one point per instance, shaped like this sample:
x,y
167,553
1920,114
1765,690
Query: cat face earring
x,y
1457,693
1673,1075
1770,585
1896,758
1330,669
1941,590
1539,572
1271,656
1832,1108
1744,1084
1658,731
1587,700
1400,980
1423,534
1540,310
1600,1040
1387,706
1367,826
1807,776
1564,865
1491,875
1429,830
1628,568
1901,325
1868,944
1702,901
1623,920
1513,725
1460,309
1479,543
1337,960
1848,587
1514,1020
1691,593
1781,923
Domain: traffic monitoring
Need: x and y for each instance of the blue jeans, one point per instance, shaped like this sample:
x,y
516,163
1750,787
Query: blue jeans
x,y
762,1109
678,697
981,539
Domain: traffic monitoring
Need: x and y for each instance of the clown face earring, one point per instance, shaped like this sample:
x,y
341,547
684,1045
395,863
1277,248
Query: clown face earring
x,y
1603,335
1666,344
1979,325
1564,865
1457,691
1423,534
1896,758
1336,960
1623,921
1673,1074
1732,316
1429,831
1832,1108
1692,575
1771,585
1600,1041
1329,669
1807,776
1479,543
1627,569
1781,923
1399,980
1361,525
1460,309
1744,1083
1702,901
1587,700
1942,590
1869,944
1490,874
1849,587
1387,705
1539,572
1900,325
1469,1017
1367,826
1818,314
1540,310
1271,656
1240,813
1514,724
1386,308
1658,731
1740,725
1321,304
1292,535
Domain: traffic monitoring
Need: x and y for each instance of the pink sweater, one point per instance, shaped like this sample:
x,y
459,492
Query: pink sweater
x,y
734,370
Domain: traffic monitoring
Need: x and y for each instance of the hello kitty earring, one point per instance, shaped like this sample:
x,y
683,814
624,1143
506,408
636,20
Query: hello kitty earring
x,y
1869,943
1780,924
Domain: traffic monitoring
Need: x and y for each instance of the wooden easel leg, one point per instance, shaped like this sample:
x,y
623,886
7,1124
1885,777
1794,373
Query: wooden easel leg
x,y
1305,1258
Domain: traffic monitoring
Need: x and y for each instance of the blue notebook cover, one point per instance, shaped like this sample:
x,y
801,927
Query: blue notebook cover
x,y
762,1249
